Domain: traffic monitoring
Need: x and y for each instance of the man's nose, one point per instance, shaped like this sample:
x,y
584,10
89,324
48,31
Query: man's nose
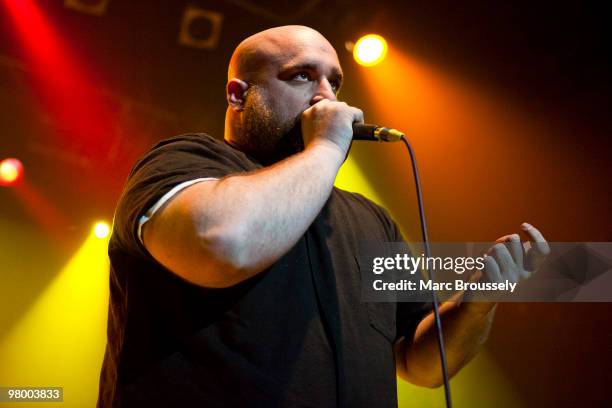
x,y
324,91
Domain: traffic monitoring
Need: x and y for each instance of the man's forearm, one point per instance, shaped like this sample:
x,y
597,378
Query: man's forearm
x,y
465,326
264,213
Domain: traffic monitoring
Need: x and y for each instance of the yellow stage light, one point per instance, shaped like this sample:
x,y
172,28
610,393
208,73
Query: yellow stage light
x,y
59,340
370,50
101,230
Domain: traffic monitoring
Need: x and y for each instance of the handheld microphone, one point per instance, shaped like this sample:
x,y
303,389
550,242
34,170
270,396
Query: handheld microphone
x,y
363,131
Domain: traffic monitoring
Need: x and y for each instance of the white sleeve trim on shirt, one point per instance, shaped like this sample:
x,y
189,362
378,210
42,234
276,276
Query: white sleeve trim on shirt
x,y
151,211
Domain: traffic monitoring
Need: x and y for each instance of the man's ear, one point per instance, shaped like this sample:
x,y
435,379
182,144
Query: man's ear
x,y
236,92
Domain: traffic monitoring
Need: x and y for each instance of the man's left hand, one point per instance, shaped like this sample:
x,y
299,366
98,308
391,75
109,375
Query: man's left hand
x,y
512,260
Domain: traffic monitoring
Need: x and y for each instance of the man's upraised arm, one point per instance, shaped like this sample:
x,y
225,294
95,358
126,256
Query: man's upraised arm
x,y
217,233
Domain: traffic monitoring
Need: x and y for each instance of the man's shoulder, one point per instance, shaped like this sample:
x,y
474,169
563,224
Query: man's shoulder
x,y
194,136
203,139
189,147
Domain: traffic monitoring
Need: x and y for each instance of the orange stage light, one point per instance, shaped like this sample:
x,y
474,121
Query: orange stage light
x,y
370,50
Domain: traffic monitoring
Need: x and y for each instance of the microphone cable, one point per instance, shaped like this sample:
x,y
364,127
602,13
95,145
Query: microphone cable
x,y
436,309
362,131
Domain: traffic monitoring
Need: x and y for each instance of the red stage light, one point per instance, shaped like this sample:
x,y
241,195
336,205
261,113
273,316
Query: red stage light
x,y
11,171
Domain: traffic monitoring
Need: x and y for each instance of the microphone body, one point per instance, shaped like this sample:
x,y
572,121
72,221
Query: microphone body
x,y
363,131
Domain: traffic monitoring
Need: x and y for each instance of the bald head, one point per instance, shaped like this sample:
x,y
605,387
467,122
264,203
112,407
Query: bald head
x,y
273,77
272,46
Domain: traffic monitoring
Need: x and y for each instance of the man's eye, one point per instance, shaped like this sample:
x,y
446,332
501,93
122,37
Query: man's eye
x,y
302,76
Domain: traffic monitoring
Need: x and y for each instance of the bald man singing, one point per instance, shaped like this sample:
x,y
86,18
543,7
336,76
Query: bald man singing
x,y
233,274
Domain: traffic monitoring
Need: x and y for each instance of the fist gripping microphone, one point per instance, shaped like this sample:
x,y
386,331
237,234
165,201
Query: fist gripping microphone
x,y
362,131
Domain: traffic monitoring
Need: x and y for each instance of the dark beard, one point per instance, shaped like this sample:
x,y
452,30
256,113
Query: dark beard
x,y
266,136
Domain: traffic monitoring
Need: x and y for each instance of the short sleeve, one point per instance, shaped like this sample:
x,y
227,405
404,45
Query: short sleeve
x,y
163,200
168,164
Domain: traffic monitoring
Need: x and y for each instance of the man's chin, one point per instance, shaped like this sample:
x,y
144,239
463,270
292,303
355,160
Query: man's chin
x,y
269,148
288,145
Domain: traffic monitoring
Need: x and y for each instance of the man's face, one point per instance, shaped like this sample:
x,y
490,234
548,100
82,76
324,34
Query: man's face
x,y
299,71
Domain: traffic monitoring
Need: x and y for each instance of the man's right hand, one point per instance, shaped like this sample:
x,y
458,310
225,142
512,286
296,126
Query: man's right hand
x,y
330,123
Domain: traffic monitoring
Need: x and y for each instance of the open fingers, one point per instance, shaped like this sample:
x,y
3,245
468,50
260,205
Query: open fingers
x,y
506,264
491,272
538,248
515,247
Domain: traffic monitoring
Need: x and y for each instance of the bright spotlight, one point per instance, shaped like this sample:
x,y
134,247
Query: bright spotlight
x,y
11,171
101,230
370,50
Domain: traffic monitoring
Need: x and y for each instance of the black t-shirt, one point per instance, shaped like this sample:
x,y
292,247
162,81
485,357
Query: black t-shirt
x,y
295,335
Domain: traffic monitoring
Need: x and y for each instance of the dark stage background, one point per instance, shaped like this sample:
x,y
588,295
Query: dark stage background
x,y
506,104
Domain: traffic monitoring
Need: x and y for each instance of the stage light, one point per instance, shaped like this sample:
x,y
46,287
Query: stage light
x,y
370,50
11,171
93,7
101,230
60,337
200,28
